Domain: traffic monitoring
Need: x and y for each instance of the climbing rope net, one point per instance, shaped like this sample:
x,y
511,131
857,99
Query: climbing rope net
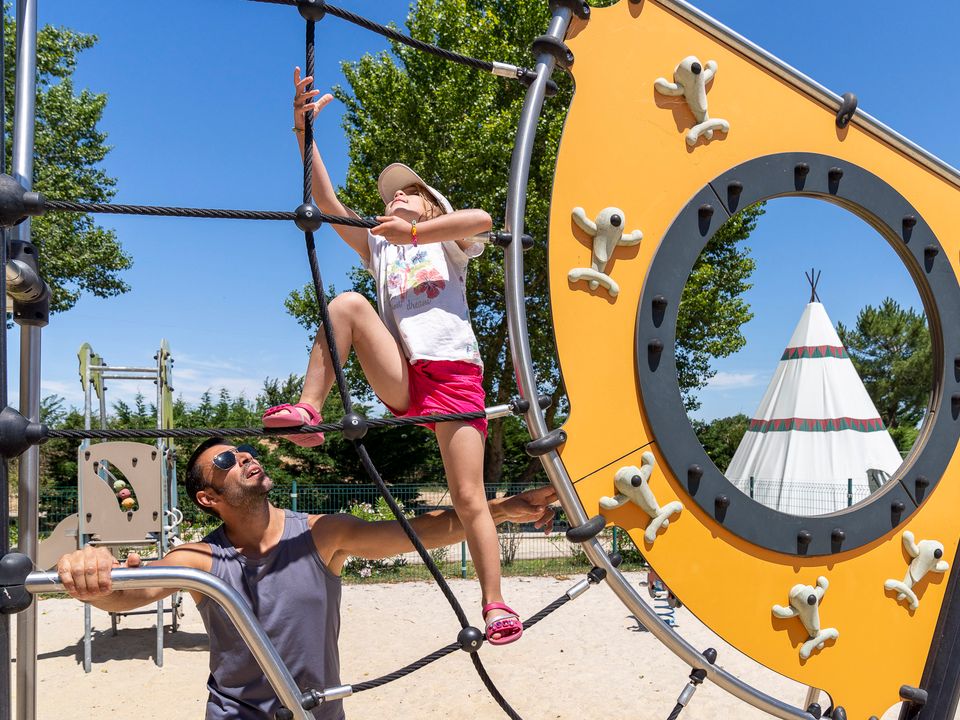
x,y
18,434
353,425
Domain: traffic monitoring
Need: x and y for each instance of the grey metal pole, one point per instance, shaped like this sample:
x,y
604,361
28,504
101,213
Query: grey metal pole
x,y
536,424
5,694
236,608
23,147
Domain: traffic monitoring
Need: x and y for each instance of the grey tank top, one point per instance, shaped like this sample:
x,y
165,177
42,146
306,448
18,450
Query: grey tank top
x,y
296,598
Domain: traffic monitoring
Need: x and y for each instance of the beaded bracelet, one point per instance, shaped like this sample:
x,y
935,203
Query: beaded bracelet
x,y
413,233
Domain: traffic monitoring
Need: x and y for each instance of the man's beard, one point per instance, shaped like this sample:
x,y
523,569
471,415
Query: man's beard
x,y
246,497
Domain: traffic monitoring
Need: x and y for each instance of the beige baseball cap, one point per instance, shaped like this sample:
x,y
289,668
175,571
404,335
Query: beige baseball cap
x,y
398,176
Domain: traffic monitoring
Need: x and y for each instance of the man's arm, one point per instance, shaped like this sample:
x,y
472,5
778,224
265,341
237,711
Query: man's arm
x,y
85,575
340,536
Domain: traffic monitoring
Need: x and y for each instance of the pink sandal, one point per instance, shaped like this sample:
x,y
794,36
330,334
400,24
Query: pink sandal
x,y
286,416
508,627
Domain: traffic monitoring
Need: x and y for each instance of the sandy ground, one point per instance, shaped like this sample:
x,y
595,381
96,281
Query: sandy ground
x,y
585,661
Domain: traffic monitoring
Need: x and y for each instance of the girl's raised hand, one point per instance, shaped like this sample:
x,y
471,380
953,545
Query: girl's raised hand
x,y
302,99
393,229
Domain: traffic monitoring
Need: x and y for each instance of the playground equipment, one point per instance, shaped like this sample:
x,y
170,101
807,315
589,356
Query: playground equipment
x,y
781,134
786,136
126,491
664,601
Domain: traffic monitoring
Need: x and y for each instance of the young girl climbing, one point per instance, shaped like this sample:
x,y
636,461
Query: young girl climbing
x,y
419,354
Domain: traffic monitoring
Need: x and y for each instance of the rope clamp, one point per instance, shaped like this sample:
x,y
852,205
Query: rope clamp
x,y
335,693
579,589
506,70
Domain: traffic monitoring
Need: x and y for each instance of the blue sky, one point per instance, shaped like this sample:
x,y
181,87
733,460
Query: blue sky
x,y
199,114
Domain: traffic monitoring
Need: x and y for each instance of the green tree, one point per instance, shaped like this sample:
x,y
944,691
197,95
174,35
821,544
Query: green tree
x,y
457,128
58,458
712,309
77,255
721,437
890,348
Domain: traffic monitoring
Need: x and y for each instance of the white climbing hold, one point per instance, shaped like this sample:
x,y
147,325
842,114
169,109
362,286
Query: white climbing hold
x,y
607,233
632,484
805,604
926,556
690,80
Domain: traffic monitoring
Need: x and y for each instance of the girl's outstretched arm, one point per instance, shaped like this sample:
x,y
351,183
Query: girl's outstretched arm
x,y
457,226
323,191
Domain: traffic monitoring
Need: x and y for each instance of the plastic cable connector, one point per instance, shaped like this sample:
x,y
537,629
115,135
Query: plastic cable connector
x,y
588,530
845,113
17,434
578,7
549,45
549,442
17,203
914,696
597,574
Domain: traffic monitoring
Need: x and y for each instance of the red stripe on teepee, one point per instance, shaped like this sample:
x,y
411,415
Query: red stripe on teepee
x,y
802,352
799,424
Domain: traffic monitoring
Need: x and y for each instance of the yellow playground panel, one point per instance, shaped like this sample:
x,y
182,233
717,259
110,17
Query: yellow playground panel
x,y
673,123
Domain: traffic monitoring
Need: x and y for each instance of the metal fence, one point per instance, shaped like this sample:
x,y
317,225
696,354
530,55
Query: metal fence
x,y
524,550
806,498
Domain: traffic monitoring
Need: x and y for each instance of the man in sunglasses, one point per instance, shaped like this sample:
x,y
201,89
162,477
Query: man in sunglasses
x,y
286,564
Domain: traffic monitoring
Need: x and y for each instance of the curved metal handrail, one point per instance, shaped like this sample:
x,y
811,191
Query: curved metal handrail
x,y
237,609
536,424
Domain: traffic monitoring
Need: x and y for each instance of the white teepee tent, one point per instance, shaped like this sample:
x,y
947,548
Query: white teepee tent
x,y
816,433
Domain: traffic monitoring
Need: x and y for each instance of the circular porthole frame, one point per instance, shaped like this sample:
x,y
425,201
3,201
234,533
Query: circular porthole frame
x,y
845,184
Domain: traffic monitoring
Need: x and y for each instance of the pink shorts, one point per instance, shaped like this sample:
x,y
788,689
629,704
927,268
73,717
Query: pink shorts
x,y
438,387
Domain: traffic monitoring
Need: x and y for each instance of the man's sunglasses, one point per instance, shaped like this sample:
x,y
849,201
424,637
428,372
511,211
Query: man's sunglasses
x,y
228,458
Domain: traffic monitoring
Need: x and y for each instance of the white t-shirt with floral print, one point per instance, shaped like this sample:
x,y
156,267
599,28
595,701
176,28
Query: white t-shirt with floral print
x,y
422,298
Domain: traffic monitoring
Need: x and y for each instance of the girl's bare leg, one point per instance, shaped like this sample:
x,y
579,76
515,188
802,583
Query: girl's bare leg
x,y
461,447
356,325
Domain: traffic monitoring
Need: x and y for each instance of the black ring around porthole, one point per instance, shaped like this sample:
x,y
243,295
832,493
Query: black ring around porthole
x,y
876,202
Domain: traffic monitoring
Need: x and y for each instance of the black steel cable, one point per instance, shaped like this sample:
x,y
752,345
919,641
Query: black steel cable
x,y
388,32
406,669
365,459
326,325
675,713
435,571
534,619
492,689
411,533
166,211
446,650
309,63
151,433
